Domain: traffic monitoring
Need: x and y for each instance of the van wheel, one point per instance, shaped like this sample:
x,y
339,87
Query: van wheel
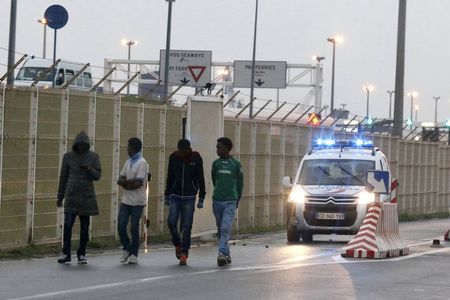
x,y
307,236
293,235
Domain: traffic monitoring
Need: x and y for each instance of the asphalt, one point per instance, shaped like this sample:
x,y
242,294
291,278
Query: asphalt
x,y
264,267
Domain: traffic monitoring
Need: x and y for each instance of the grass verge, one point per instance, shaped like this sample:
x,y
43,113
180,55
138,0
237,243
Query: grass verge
x,y
409,218
96,245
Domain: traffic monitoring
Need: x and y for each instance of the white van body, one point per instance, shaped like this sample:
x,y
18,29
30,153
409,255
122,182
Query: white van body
x,y
32,68
329,194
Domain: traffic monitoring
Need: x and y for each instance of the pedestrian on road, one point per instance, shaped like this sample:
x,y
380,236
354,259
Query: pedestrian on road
x,y
80,168
185,178
133,179
228,180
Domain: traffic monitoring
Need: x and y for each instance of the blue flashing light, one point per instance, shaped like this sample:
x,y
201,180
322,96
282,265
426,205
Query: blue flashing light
x,y
325,142
363,143
331,143
359,143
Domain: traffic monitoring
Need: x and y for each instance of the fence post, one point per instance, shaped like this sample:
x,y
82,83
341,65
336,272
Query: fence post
x,y
31,183
63,129
252,173
161,166
115,163
267,165
237,151
91,133
140,135
2,126
280,218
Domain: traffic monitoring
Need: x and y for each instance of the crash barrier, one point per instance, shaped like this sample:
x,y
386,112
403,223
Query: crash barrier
x,y
447,235
378,236
394,186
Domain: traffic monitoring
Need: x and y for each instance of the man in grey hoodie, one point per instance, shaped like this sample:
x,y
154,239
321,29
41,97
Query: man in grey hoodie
x,y
80,167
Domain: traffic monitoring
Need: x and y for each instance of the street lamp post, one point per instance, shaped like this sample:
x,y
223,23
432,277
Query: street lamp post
x,y
43,21
252,81
333,40
435,108
390,103
412,95
166,63
368,88
416,111
129,43
12,42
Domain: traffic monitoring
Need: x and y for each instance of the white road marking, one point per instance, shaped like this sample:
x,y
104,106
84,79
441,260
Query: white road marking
x,y
279,266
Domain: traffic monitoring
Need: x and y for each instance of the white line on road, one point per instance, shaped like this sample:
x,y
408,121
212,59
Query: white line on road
x,y
265,268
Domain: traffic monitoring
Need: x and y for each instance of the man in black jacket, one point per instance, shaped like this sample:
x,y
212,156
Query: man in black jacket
x,y
185,179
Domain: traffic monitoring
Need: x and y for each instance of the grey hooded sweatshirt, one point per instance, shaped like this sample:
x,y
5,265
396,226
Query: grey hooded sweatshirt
x,y
75,184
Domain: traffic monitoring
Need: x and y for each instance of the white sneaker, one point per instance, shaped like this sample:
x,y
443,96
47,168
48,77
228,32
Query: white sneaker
x,y
132,259
125,256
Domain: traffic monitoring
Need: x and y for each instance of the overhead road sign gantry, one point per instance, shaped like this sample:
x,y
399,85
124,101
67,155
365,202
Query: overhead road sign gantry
x,y
187,67
268,74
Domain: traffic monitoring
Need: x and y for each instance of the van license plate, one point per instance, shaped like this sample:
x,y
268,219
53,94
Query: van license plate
x,y
330,216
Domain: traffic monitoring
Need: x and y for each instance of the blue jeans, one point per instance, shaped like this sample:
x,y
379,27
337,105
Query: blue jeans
x,y
69,220
224,211
135,212
181,208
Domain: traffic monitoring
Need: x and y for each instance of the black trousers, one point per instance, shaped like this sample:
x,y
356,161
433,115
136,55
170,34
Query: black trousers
x,y
69,220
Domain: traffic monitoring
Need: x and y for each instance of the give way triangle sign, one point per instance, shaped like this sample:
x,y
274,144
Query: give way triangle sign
x,y
196,71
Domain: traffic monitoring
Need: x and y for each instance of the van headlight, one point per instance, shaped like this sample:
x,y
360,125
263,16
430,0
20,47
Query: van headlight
x,y
366,197
297,195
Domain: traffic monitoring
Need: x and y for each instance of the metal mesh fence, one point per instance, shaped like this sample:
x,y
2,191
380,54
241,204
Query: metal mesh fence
x,y
38,126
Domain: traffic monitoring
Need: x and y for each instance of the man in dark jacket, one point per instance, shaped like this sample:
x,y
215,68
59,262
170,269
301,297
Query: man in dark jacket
x,y
185,179
80,167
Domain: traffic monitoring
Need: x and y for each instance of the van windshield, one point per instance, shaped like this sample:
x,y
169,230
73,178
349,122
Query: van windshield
x,y
32,73
335,172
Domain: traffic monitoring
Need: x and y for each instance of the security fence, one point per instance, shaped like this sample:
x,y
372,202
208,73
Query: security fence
x,y
37,127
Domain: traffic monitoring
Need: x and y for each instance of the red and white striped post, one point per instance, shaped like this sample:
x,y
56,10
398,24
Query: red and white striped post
x,y
394,186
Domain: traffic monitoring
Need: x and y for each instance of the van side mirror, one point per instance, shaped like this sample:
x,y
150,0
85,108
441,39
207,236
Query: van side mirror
x,y
286,182
59,81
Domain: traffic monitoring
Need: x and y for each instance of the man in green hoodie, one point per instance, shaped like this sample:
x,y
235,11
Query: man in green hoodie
x,y
80,168
228,181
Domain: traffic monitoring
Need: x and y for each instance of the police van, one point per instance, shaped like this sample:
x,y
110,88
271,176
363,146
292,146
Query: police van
x,y
33,68
328,194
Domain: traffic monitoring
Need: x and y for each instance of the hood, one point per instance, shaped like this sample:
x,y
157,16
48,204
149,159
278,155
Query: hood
x,y
82,137
188,157
338,190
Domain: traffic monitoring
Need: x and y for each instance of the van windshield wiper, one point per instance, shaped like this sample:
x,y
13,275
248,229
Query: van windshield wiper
x,y
329,175
349,173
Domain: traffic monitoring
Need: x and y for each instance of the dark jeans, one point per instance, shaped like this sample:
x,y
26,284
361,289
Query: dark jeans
x,y
124,215
69,220
181,208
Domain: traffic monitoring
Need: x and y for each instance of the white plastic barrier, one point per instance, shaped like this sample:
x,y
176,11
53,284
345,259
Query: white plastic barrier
x,y
378,236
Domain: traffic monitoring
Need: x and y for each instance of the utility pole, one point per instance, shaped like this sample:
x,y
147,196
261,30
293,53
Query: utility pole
x,y
400,70
435,108
12,42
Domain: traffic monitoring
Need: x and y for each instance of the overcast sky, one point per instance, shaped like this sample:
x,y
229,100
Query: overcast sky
x,y
288,30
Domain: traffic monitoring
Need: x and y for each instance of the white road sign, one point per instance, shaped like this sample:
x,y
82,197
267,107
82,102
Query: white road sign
x,y
268,74
378,181
189,67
